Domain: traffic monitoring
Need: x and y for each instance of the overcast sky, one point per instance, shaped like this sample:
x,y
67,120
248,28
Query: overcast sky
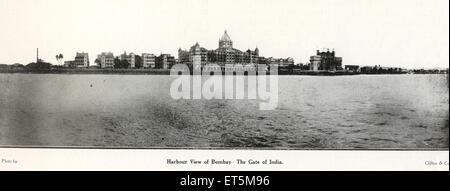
x,y
404,33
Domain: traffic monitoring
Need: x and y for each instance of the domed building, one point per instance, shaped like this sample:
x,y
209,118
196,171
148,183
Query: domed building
x,y
225,41
224,54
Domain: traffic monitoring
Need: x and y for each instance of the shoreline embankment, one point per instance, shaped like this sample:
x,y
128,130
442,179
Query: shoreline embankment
x,y
167,72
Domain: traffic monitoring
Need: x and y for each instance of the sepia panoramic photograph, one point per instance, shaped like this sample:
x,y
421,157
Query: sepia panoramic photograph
x,y
204,74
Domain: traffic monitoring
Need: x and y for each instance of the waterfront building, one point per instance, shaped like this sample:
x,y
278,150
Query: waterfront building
x,y
366,69
165,61
281,62
353,68
226,54
130,58
187,56
325,60
105,60
68,63
304,66
148,60
251,57
382,70
81,60
315,62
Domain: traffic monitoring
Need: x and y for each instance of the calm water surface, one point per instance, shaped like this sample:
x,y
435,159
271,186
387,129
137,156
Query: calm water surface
x,y
379,111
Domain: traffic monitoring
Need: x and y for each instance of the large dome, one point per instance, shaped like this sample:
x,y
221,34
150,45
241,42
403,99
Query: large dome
x,y
225,41
225,37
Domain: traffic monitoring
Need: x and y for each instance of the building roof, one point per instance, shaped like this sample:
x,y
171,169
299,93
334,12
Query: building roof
x,y
82,54
197,46
226,49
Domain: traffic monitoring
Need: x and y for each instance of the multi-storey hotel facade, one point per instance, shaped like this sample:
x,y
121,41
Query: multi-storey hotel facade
x,y
226,54
81,61
105,60
165,61
148,60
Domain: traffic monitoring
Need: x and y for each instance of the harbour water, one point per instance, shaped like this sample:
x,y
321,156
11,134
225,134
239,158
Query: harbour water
x,y
314,112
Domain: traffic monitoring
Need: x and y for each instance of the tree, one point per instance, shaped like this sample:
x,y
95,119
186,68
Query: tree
x,y
138,61
39,66
121,63
116,62
18,65
124,63
59,58
97,61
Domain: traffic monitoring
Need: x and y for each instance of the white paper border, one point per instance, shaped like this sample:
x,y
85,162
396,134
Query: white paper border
x,y
44,159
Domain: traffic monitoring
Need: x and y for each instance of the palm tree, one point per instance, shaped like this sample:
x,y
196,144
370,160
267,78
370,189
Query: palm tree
x,y
59,58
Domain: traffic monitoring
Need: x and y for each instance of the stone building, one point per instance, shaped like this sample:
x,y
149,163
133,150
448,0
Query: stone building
x,y
224,54
187,56
325,60
281,62
165,61
148,60
227,54
105,60
81,60
130,58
